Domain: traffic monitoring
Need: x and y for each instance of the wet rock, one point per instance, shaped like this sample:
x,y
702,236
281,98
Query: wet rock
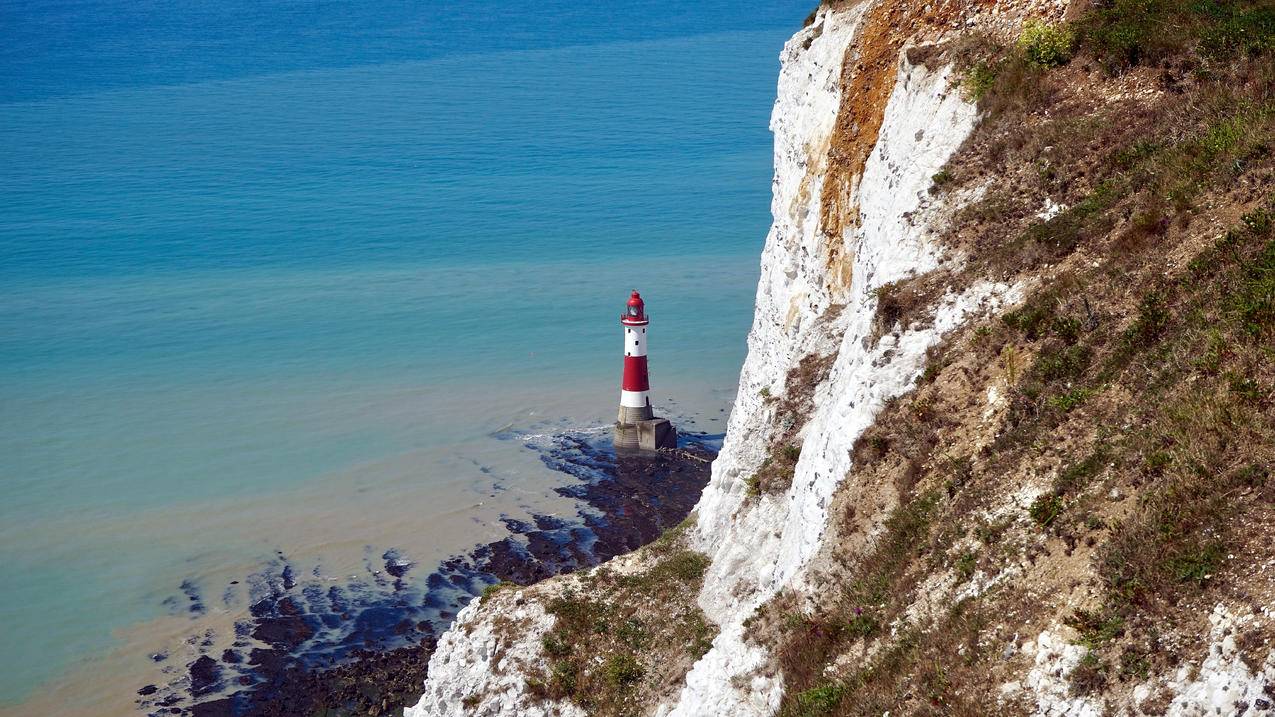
x,y
205,676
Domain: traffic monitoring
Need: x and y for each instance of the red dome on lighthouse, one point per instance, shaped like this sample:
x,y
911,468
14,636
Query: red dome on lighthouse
x,y
635,312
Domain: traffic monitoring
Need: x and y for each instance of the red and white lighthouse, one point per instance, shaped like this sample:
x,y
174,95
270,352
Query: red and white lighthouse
x,y
637,426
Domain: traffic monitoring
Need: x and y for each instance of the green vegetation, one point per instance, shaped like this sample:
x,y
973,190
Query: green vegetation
x,y
622,670
611,637
497,587
1046,45
776,472
979,80
1124,33
819,700
1045,509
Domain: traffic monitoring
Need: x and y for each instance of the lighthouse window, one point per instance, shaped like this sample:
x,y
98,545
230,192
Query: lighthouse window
x,y
633,311
635,343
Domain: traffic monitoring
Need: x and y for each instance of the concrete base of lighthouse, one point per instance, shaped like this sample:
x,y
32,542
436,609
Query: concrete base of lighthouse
x,y
637,429
650,434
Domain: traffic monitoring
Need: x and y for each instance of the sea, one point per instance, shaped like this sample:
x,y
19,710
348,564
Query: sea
x,y
302,278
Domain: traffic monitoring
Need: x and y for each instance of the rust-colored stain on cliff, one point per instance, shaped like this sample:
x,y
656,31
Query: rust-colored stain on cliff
x,y
868,74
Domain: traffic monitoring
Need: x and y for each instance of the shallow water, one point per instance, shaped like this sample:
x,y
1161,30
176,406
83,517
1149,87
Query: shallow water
x,y
270,293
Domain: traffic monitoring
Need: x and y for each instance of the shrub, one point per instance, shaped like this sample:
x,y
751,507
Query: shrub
x,y
775,474
1075,478
820,700
563,678
1063,364
622,669
898,303
1031,318
1096,628
1153,318
863,624
1254,304
979,79
1045,509
1090,675
1134,665
965,566
686,565
1046,45
555,646
496,587
1066,401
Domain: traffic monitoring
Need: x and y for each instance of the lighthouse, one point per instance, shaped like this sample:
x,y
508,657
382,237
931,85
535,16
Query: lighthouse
x,y
637,428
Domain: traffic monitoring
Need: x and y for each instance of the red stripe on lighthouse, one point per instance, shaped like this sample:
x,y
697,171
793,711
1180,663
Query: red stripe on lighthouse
x,y
635,378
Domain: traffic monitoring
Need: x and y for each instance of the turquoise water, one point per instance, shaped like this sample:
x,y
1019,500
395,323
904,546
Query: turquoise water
x,y
272,276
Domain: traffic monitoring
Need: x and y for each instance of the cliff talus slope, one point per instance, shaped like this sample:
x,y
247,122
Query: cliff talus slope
x,y
1003,440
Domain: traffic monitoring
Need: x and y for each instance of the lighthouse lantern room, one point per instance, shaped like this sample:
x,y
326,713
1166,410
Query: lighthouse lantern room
x,y
637,428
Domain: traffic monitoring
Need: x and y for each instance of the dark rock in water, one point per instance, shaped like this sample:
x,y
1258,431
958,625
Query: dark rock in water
x,y
515,526
148,690
159,657
267,661
289,578
205,676
283,631
191,591
396,564
230,657
224,707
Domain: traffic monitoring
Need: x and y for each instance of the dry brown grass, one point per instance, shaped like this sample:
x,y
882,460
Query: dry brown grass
x,y
791,410
623,641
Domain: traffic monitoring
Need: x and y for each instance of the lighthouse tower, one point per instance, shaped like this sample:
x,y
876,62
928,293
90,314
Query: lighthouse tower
x,y
637,428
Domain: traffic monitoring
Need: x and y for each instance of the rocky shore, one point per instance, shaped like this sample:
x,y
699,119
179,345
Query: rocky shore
x,y
363,647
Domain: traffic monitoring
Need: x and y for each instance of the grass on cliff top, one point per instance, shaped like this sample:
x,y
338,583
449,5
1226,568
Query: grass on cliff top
x,y
623,640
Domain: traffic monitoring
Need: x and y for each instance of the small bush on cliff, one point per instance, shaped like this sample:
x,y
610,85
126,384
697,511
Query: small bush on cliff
x,y
1046,45
622,670
979,79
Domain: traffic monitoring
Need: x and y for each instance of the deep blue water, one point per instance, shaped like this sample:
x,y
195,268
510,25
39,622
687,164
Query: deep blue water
x,y
246,247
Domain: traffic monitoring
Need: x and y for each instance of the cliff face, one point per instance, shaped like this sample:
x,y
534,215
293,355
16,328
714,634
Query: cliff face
x,y
936,471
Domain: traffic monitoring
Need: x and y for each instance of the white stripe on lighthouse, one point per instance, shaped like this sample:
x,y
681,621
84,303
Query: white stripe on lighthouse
x,y
634,340
633,399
